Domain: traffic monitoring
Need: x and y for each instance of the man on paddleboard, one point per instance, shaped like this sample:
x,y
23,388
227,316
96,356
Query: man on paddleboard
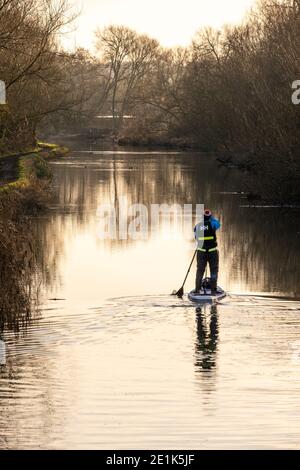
x,y
205,234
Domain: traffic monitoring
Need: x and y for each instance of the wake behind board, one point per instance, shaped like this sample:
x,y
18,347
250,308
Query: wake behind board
x,y
205,296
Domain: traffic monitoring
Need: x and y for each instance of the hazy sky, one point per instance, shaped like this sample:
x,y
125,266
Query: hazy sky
x,y
172,22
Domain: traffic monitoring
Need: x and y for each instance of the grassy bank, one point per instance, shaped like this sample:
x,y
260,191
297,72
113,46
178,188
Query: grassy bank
x,y
21,169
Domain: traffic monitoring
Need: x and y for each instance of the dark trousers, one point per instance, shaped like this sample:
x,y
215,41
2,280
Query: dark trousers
x,y
212,259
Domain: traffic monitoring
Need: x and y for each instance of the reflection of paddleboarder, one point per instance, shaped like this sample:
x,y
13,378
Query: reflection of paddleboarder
x,y
207,251
2,353
207,340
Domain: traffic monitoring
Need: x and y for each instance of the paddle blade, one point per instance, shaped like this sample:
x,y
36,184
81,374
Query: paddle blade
x,y
180,293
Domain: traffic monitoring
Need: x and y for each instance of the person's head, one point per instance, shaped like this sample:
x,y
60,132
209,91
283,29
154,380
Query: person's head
x,y
207,214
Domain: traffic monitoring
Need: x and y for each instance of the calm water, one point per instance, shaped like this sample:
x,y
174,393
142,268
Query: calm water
x,y
115,362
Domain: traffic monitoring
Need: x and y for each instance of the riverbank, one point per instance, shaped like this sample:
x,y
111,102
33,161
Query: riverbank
x,y
157,142
29,176
25,189
20,169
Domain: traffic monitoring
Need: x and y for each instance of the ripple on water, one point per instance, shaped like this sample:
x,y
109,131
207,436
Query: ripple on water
x,y
151,372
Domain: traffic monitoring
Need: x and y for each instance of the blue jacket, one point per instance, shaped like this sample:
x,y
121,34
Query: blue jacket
x,y
215,223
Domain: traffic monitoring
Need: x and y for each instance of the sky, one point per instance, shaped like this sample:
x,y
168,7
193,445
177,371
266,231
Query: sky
x,y
172,22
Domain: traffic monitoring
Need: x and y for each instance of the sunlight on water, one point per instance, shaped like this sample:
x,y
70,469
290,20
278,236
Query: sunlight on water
x,y
112,360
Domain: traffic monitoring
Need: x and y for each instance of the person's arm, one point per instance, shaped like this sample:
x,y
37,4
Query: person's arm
x,y
215,224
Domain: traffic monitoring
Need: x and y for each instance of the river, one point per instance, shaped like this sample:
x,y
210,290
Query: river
x,y
112,361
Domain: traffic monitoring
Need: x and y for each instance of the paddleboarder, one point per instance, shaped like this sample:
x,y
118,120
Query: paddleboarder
x,y
207,250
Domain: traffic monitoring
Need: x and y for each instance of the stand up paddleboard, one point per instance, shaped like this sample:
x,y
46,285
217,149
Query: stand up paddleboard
x,y
205,294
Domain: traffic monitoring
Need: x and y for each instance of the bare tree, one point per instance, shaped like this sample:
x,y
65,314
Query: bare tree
x,y
37,73
128,57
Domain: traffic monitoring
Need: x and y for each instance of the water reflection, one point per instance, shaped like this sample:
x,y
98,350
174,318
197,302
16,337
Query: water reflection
x,y
207,330
259,248
119,363
29,389
2,353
